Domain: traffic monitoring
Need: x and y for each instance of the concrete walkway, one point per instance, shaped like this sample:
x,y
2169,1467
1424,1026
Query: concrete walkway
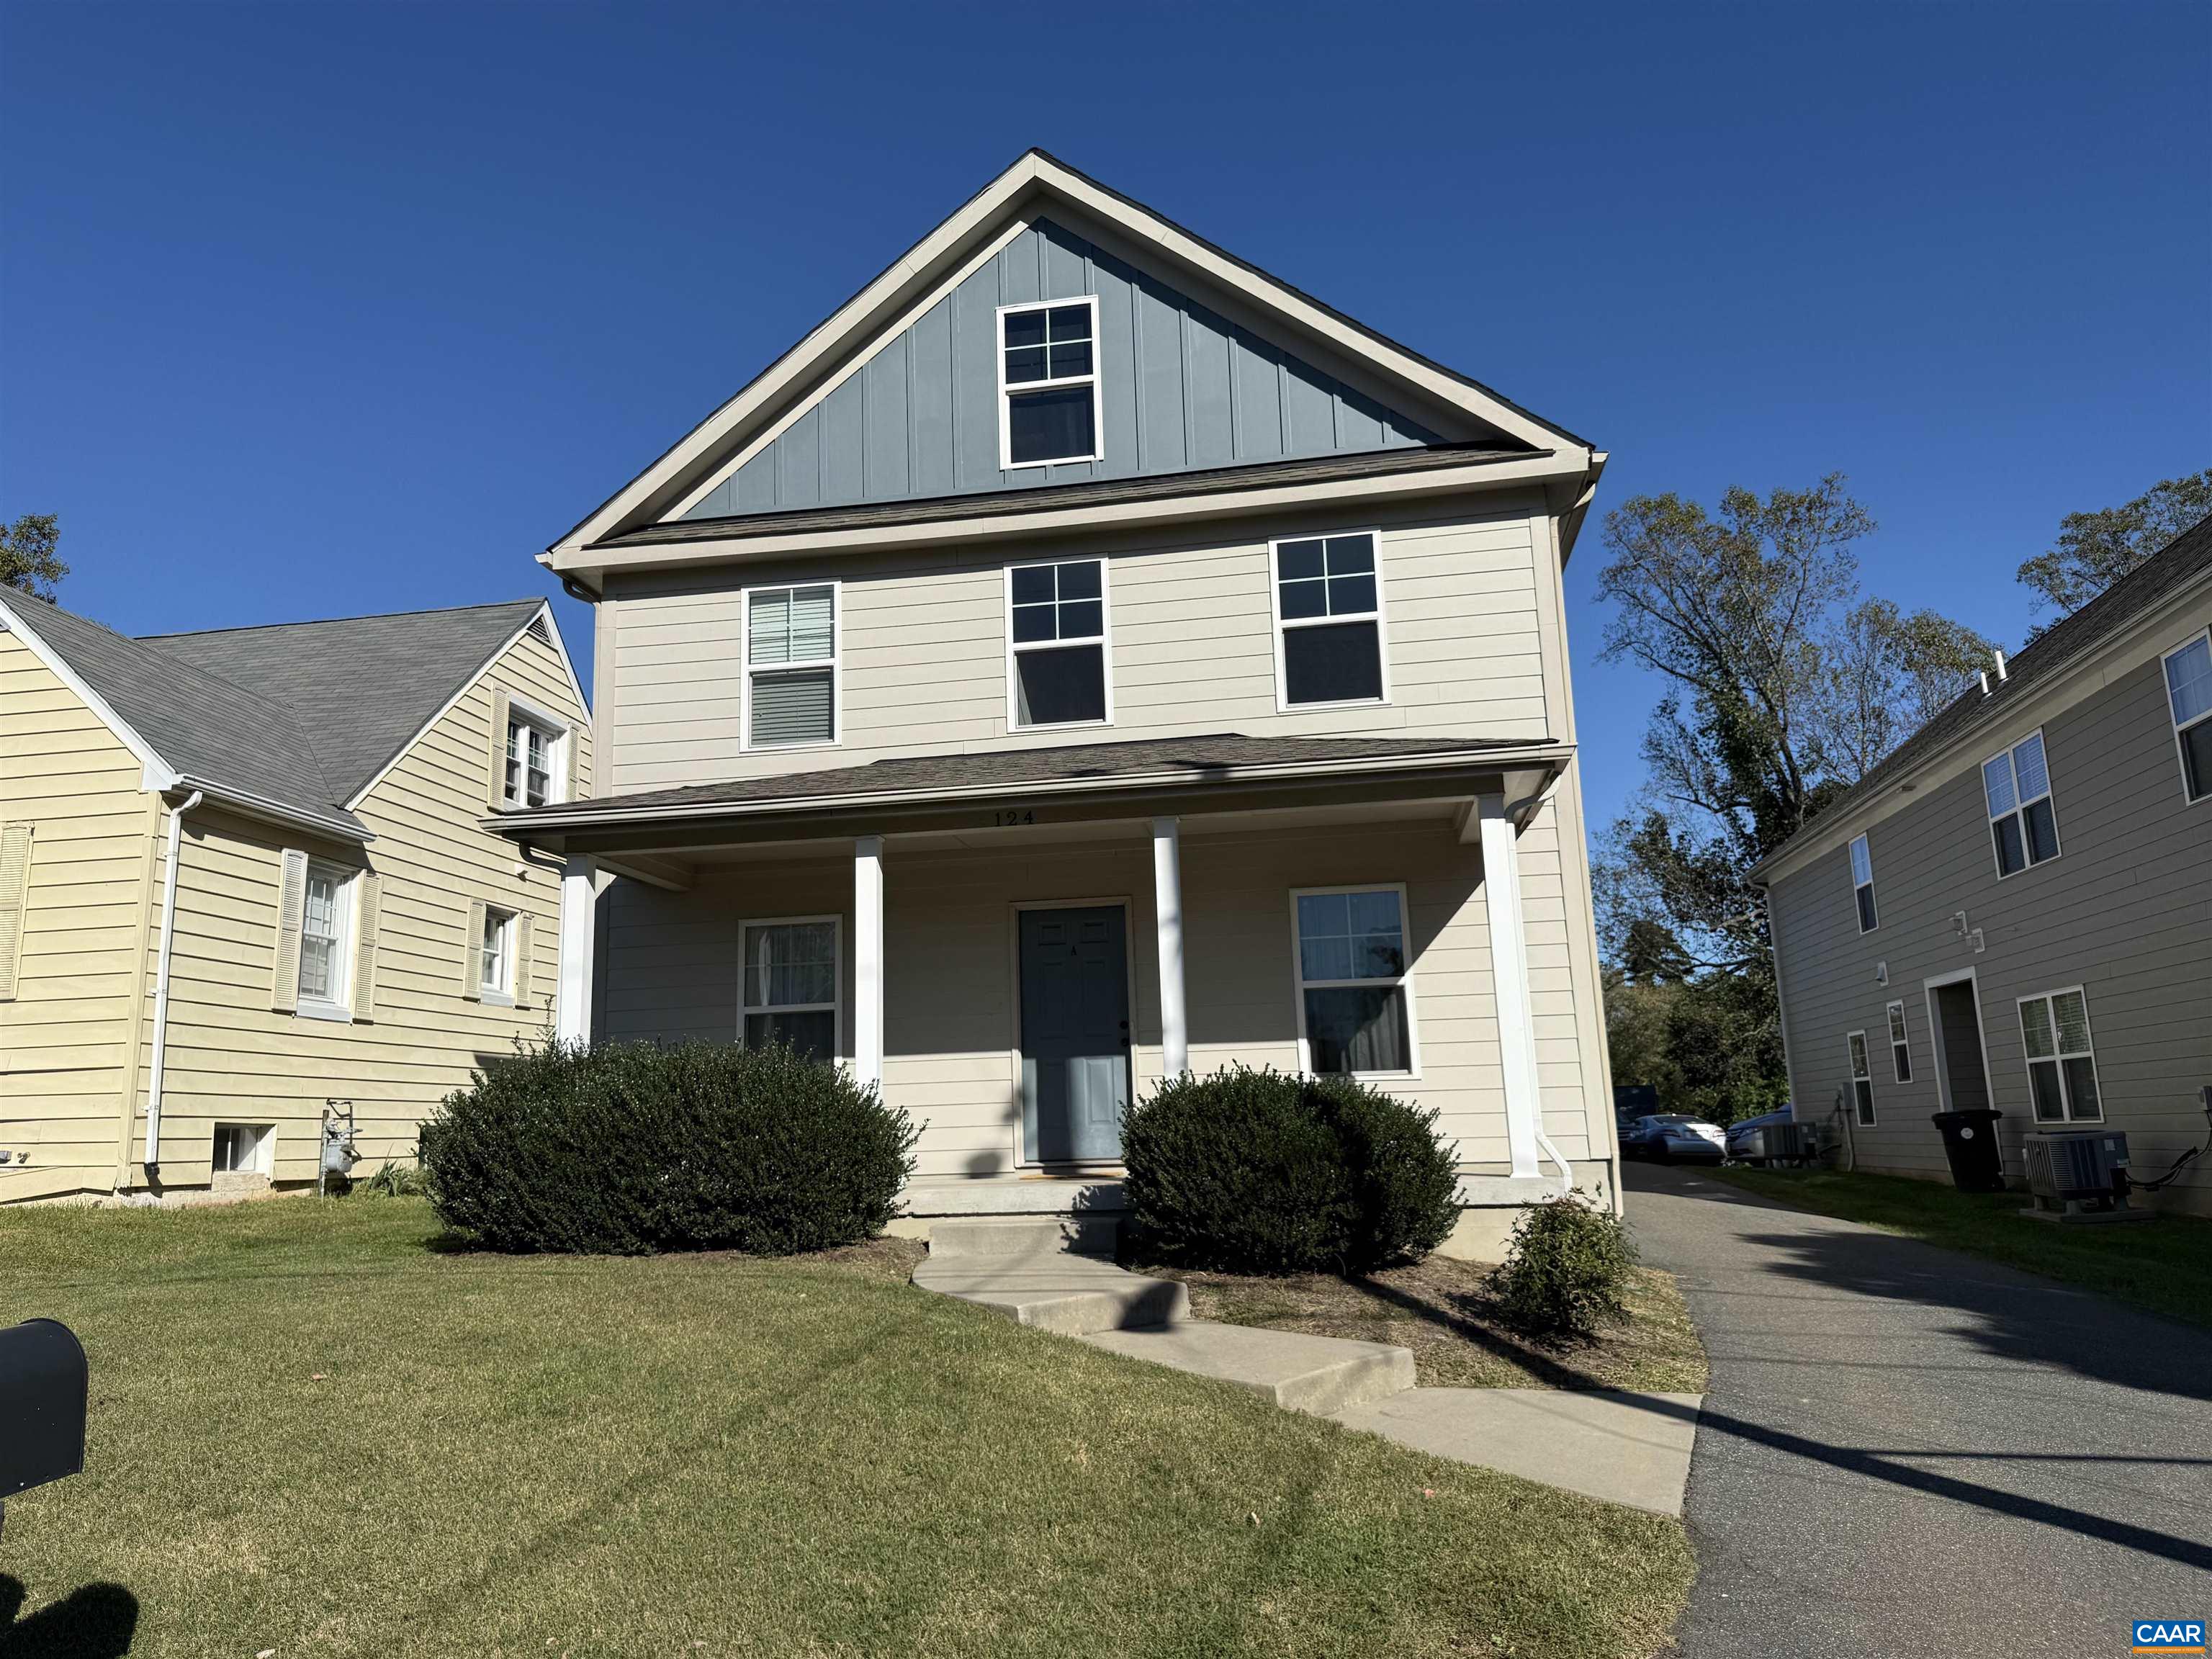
x,y
1058,1276
1908,1451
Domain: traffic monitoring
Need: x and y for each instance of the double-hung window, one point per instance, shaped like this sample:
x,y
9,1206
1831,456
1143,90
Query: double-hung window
x,y
2022,821
1056,644
1862,1080
791,665
495,954
533,754
2189,695
325,927
1900,1051
790,981
1049,397
1328,620
1862,882
2061,1064
1355,986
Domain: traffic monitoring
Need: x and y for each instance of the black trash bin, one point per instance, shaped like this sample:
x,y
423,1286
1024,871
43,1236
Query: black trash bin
x,y
1970,1141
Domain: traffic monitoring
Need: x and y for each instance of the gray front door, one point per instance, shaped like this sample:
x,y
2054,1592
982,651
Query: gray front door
x,y
1075,1034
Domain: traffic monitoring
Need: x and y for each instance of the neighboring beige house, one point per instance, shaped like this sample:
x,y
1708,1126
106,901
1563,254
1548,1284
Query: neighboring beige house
x,y
242,874
2013,910
1082,658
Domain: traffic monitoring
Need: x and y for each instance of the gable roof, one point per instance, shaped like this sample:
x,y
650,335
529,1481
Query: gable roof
x,y
1457,407
2186,559
287,722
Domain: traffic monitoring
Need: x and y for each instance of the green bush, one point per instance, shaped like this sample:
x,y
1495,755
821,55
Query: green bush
x,y
1257,1172
635,1147
1566,1273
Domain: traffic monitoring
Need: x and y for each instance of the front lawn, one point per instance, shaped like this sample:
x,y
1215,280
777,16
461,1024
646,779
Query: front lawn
x,y
2164,1265
314,1433
1441,1309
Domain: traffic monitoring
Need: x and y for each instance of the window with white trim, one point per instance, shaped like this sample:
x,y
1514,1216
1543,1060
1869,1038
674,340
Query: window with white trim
x,y
1056,644
1355,984
791,665
1328,620
789,987
2189,697
242,1148
2023,823
1862,882
1900,1051
1862,1080
1048,393
495,954
2062,1062
325,933
533,759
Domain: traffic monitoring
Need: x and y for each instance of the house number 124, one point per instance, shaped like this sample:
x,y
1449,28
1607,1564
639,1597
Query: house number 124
x,y
1012,816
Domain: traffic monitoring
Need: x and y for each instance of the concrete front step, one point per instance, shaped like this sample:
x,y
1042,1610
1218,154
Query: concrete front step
x,y
1316,1374
1090,1235
1068,1294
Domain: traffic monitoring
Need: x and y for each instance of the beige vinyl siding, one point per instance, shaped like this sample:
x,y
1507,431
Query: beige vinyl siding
x,y
232,1058
669,968
2124,911
924,639
66,1037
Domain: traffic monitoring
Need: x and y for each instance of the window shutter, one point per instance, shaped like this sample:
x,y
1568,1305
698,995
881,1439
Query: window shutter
x,y
522,960
472,953
291,909
364,945
496,781
14,898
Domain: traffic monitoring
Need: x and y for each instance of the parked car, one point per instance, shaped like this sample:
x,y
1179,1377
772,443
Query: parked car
x,y
1741,1141
1668,1136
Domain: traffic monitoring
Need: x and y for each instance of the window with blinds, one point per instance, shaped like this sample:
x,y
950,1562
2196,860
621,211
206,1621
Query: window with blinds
x,y
2062,1062
791,665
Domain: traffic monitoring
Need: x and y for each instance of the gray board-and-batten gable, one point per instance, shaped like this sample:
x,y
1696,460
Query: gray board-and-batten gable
x,y
1183,389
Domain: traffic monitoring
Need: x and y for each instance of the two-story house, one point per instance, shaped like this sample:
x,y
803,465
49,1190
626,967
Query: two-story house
x,y
244,881
1083,659
2013,910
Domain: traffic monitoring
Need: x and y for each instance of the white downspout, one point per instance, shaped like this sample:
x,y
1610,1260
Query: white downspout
x,y
161,980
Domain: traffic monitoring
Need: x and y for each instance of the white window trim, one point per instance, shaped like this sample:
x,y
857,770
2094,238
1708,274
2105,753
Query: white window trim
x,y
1283,703
834,662
2058,1056
1900,1048
1300,984
2166,690
1865,1119
836,1008
263,1155
347,902
1105,643
501,995
2019,806
1868,884
1006,462
559,740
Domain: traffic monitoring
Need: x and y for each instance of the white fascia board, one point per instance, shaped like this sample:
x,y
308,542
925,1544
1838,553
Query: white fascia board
x,y
260,806
154,772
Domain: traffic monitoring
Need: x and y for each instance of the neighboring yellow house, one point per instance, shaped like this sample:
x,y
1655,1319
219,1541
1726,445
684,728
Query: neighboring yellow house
x,y
243,877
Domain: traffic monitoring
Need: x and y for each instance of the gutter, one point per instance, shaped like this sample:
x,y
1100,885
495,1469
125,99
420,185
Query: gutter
x,y
261,806
161,979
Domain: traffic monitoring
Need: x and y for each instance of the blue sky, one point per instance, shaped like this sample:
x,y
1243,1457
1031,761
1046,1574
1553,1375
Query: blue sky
x,y
308,310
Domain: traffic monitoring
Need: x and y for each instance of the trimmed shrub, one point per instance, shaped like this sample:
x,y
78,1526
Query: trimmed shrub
x,y
1257,1172
634,1147
1566,1273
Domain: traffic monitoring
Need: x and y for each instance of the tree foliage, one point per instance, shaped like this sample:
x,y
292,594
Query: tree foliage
x,y
28,560
2095,549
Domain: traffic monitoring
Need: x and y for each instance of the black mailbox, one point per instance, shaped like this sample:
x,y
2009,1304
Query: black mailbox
x,y
42,1398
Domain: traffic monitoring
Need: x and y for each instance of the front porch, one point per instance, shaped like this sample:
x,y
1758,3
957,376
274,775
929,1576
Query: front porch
x,y
1013,962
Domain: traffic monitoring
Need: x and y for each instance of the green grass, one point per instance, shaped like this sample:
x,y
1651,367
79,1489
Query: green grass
x,y
313,1433
2164,1265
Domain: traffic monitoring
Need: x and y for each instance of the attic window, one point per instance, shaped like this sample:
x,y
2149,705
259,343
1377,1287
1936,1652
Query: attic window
x,y
1048,393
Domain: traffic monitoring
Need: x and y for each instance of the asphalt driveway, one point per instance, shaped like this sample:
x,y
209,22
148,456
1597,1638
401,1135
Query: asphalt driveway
x,y
1906,1451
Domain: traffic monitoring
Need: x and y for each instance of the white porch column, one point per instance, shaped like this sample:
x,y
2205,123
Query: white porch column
x,y
1509,974
1167,911
572,997
868,959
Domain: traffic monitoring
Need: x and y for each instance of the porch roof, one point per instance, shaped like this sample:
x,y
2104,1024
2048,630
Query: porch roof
x,y
1068,781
